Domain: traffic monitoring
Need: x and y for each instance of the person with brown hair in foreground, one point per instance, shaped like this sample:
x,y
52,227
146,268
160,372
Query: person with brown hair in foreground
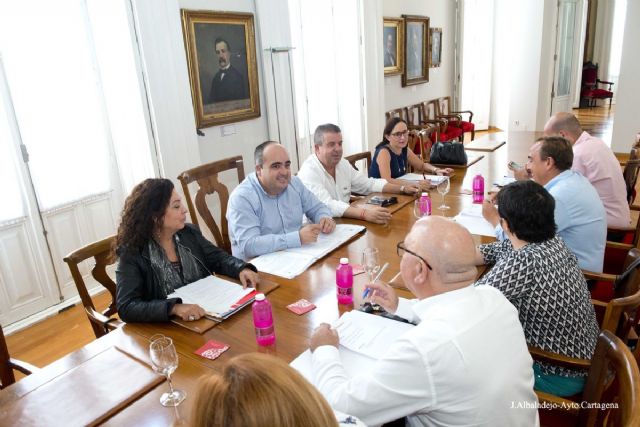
x,y
256,390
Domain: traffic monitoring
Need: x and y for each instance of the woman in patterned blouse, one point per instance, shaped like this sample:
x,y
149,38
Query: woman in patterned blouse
x,y
540,276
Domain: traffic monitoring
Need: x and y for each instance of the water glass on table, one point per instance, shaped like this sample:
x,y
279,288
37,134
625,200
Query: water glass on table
x,y
164,360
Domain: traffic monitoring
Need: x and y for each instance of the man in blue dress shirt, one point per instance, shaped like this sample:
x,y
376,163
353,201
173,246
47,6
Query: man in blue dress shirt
x,y
266,210
581,220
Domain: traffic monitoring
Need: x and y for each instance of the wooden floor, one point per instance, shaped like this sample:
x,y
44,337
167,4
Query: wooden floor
x,y
56,336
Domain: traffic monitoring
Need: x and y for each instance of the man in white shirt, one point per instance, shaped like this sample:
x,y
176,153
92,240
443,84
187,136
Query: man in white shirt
x,y
332,179
465,363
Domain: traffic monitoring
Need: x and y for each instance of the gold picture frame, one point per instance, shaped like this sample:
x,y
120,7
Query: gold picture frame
x,y
221,56
416,61
435,47
393,46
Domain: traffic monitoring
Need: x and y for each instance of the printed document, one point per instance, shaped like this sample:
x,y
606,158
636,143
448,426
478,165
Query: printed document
x,y
471,218
215,295
435,179
364,338
294,261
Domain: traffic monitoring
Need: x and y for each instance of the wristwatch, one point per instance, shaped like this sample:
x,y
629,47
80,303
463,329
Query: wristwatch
x,y
402,188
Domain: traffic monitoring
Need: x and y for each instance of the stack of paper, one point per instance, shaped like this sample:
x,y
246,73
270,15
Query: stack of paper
x,y
291,262
435,179
218,297
364,338
471,218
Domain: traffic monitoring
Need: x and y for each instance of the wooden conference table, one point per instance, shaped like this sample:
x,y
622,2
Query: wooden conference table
x,y
78,389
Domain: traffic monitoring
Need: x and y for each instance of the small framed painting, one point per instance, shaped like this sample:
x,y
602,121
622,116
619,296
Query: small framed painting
x,y
435,47
416,61
393,43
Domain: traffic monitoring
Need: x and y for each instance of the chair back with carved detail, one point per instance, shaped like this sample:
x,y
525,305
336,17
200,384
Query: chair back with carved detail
x,y
354,158
101,252
206,176
398,112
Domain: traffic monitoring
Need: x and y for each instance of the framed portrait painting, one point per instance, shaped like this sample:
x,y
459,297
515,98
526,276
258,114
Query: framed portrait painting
x,y
416,61
393,46
435,47
221,55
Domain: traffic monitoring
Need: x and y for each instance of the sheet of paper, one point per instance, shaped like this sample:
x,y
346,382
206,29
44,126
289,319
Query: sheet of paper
x,y
505,180
435,179
364,338
471,218
367,334
213,294
292,262
283,263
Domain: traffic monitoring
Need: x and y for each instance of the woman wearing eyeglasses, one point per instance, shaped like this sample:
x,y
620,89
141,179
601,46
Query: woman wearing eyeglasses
x,y
392,158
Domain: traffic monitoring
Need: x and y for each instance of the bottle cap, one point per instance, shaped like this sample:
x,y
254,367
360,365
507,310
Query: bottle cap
x,y
424,194
260,297
344,260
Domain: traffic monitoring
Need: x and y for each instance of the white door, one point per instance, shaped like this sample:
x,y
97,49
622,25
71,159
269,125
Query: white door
x,y
56,156
566,58
474,52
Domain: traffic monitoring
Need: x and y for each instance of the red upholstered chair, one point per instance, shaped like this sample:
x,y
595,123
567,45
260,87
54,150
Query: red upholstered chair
x,y
443,110
590,81
446,132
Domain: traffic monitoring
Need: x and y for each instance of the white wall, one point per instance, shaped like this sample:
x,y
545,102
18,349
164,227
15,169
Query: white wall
x,y
441,79
627,119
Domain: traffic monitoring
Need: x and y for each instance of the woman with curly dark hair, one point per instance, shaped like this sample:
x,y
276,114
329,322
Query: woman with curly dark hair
x,y
158,252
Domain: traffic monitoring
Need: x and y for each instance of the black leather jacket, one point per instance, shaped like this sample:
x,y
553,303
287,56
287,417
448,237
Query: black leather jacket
x,y
139,295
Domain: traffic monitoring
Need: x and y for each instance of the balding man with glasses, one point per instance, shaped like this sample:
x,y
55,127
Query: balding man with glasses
x,y
465,363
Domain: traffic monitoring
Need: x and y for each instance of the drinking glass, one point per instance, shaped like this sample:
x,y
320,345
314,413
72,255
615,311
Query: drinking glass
x,y
443,188
164,360
371,262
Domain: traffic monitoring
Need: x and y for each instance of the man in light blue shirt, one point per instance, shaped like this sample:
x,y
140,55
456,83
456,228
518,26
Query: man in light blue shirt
x,y
580,217
266,210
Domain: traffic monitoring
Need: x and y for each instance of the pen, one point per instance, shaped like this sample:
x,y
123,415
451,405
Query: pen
x,y
384,267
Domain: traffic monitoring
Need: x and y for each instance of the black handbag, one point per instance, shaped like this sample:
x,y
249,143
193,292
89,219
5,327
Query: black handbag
x,y
448,153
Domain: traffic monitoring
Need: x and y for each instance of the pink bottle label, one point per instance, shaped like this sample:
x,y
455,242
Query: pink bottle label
x,y
344,291
264,332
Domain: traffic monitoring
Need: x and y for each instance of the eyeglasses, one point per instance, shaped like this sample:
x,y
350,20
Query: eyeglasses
x,y
400,249
400,134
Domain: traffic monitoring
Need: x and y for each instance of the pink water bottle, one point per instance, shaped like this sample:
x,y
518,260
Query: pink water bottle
x,y
263,321
425,204
344,282
478,189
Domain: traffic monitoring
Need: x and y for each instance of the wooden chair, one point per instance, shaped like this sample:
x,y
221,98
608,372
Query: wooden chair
x,y
365,155
446,132
443,110
613,378
590,91
100,251
207,178
8,365
398,112
624,283
621,239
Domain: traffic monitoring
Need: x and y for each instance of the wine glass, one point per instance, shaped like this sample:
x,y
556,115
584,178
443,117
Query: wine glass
x,y
371,262
164,361
443,188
